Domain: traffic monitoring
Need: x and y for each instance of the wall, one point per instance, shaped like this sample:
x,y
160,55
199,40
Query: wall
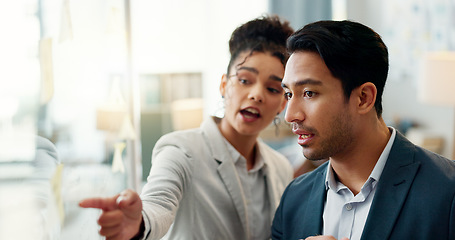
x,y
301,12
168,38
179,36
408,29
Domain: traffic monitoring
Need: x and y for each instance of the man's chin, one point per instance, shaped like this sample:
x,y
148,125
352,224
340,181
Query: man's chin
x,y
313,156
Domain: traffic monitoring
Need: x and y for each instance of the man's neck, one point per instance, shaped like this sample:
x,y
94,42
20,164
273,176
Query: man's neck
x,y
355,166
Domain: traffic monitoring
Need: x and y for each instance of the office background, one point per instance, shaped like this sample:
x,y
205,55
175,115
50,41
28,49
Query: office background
x,y
101,80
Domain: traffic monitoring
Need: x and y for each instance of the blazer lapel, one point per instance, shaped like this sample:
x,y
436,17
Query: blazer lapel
x,y
312,219
226,168
392,189
272,191
232,182
271,182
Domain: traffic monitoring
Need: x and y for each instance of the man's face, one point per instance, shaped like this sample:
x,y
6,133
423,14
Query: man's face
x,y
317,108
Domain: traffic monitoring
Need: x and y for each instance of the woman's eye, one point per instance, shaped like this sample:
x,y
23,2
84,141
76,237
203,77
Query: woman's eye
x,y
274,90
288,95
243,81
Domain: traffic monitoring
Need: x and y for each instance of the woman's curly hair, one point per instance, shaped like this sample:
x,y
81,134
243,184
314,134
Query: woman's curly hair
x,y
263,34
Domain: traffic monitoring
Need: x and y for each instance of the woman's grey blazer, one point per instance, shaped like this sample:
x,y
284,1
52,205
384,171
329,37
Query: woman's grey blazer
x,y
193,185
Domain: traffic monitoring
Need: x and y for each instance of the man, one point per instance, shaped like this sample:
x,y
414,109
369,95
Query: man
x,y
376,184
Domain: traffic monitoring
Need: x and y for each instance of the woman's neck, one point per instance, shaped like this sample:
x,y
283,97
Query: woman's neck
x,y
244,144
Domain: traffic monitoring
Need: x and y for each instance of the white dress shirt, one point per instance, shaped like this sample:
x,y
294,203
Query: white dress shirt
x,y
255,192
345,214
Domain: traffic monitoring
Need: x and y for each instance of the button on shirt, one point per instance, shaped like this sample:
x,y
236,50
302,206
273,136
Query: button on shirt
x,y
345,214
255,192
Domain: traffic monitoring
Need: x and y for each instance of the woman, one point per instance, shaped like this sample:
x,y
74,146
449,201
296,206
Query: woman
x,y
218,181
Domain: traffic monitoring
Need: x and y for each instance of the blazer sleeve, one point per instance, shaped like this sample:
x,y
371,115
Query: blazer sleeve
x,y
169,176
277,225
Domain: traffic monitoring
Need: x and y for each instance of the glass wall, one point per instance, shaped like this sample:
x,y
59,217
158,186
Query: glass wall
x,y
77,77
64,69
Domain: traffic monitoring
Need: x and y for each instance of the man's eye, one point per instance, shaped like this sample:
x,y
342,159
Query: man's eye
x,y
309,94
288,95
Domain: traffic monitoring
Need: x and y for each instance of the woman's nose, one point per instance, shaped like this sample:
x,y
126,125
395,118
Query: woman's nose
x,y
257,94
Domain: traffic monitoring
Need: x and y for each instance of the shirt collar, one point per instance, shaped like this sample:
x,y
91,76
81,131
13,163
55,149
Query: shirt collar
x,y
331,183
377,170
232,151
259,162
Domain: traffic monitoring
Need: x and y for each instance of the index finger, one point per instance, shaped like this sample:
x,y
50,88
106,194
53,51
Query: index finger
x,y
106,204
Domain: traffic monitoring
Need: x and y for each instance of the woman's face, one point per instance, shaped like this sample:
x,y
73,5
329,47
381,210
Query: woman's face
x,y
253,93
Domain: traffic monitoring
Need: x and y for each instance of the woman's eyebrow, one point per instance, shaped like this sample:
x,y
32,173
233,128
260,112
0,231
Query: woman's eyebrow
x,y
255,71
275,78
250,69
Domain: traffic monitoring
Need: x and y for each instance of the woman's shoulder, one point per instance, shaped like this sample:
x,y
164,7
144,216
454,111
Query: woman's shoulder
x,y
275,159
269,152
185,135
182,139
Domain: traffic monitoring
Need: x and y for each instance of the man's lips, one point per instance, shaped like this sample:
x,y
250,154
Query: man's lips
x,y
304,135
304,138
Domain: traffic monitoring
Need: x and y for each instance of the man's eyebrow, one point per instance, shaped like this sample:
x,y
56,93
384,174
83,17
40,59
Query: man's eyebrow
x,y
304,82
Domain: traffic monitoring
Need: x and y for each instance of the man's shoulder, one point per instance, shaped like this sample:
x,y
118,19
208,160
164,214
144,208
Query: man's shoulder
x,y
306,181
307,189
438,166
405,151
430,168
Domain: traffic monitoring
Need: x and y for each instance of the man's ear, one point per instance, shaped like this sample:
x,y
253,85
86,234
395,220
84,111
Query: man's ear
x,y
223,84
365,96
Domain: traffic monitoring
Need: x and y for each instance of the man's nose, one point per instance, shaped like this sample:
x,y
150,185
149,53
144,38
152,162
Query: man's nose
x,y
294,111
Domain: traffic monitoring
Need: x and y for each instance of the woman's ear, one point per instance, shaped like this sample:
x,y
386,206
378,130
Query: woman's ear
x,y
366,95
223,84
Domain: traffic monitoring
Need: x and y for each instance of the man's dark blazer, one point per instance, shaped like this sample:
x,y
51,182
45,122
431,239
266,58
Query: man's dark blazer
x,y
414,199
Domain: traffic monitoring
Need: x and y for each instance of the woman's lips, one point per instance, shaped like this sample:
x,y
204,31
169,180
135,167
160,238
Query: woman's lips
x,y
250,114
